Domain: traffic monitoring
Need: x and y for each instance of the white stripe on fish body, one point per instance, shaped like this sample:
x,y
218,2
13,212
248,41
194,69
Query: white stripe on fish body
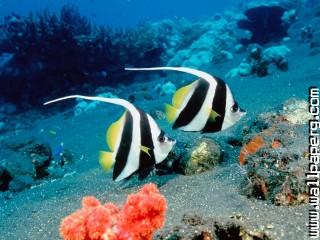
x,y
132,164
227,121
155,132
200,120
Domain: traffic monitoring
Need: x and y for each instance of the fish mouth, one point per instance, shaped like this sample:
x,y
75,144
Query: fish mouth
x,y
242,112
173,141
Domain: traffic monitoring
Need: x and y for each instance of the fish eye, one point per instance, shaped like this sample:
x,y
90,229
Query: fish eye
x,y
235,107
162,137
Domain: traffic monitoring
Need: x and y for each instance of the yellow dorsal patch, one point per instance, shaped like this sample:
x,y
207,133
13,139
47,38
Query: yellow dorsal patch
x,y
114,131
106,160
145,149
181,95
171,113
213,115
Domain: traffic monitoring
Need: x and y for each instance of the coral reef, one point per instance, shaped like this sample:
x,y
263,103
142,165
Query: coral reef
x,y
84,106
141,215
265,24
274,157
260,61
58,52
202,155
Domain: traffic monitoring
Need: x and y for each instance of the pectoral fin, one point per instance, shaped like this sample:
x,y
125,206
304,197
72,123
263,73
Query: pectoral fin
x,y
171,113
145,150
213,115
106,160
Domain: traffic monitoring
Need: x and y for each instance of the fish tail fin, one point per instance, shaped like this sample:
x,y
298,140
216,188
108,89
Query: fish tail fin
x,y
192,71
106,160
116,101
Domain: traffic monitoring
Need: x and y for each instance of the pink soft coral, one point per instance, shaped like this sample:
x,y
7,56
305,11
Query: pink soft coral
x,y
142,214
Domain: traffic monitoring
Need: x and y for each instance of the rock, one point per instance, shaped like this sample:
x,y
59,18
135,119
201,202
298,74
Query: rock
x,y
289,16
193,226
274,157
296,111
265,24
84,106
20,183
245,69
239,48
203,156
276,53
24,161
168,89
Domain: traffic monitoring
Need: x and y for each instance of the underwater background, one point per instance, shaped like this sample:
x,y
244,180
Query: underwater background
x,y
245,182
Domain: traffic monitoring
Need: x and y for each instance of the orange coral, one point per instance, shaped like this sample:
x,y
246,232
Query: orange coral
x,y
142,214
250,148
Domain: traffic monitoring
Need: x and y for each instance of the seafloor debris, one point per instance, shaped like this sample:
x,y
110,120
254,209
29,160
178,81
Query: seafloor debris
x,y
201,156
140,216
34,161
195,227
274,155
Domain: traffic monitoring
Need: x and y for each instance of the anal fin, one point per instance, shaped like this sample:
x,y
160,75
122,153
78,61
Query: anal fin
x,y
171,113
106,160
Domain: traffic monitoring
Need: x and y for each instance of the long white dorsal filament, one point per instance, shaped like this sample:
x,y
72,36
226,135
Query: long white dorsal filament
x,y
195,72
116,101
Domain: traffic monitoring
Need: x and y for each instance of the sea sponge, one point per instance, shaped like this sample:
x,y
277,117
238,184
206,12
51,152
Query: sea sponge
x,y
142,214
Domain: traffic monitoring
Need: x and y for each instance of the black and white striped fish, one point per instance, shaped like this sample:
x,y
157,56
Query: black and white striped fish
x,y
205,105
135,140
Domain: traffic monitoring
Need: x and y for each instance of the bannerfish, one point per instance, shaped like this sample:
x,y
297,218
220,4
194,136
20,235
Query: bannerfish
x,y
135,141
205,105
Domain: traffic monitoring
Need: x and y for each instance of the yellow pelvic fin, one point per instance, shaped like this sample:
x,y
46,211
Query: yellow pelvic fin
x,y
180,95
145,149
213,115
106,160
113,132
171,113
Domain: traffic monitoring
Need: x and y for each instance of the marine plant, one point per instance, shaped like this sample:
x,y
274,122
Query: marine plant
x,y
141,215
52,53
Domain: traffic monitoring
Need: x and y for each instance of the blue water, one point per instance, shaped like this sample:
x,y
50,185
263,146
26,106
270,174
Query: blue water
x,y
124,12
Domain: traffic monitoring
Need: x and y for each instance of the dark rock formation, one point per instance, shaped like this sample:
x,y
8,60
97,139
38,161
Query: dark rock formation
x,y
265,24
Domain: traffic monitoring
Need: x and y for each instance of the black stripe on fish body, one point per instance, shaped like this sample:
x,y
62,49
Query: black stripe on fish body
x,y
194,104
219,106
124,146
146,162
